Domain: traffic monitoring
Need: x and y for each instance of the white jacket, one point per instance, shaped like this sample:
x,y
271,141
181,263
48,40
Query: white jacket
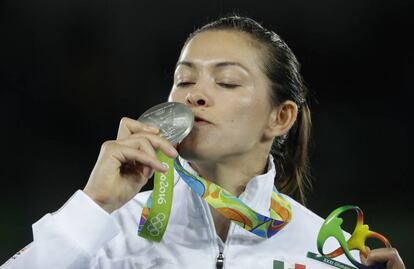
x,y
83,235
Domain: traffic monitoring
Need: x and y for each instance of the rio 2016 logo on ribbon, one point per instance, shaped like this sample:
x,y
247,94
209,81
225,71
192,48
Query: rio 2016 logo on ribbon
x,y
155,224
162,187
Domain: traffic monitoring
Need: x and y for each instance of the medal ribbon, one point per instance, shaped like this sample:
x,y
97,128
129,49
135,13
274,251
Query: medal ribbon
x,y
153,224
227,204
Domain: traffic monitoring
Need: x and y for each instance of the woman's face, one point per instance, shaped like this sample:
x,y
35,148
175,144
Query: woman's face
x,y
219,76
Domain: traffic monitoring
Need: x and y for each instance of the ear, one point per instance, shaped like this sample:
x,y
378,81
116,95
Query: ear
x,y
281,119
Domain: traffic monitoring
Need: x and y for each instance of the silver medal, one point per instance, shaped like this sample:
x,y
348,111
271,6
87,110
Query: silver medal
x,y
175,120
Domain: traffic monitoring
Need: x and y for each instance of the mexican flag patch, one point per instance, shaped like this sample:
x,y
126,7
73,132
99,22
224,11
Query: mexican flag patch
x,y
284,265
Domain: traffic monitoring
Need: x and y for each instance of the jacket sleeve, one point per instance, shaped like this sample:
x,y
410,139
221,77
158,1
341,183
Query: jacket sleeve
x,y
68,238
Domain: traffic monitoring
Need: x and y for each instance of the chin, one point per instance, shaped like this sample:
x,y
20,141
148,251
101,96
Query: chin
x,y
195,153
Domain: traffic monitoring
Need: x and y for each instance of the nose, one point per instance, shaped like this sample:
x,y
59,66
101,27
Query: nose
x,y
197,99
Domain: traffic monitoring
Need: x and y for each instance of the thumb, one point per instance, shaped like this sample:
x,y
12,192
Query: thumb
x,y
363,256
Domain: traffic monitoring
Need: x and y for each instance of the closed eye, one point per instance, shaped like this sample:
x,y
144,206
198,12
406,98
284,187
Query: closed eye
x,y
184,84
228,85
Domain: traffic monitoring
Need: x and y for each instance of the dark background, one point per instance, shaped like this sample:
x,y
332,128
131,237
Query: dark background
x,y
70,69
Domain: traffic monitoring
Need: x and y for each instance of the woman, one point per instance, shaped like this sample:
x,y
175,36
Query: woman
x,y
243,85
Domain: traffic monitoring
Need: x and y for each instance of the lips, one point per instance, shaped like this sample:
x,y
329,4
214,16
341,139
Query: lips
x,y
200,120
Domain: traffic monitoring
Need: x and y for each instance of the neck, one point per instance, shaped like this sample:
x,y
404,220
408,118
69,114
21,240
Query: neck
x,y
232,173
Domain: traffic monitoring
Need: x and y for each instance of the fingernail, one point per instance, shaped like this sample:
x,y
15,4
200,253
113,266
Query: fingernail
x,y
164,168
173,151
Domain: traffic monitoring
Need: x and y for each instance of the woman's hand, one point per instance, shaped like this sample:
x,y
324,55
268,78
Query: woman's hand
x,y
124,165
389,256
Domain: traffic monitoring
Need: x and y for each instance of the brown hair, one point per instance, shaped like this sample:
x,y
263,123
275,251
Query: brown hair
x,y
290,151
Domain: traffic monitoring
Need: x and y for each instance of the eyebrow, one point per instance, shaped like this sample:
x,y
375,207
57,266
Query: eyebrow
x,y
220,64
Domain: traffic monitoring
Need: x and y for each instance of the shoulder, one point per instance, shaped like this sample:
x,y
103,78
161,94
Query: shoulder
x,y
305,220
301,215
304,226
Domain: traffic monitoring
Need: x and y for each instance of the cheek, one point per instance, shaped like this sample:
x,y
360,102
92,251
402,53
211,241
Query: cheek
x,y
177,96
247,120
249,111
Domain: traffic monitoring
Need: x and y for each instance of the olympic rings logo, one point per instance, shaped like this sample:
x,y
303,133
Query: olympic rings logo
x,y
156,224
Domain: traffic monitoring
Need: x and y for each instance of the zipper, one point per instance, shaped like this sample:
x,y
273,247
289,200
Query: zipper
x,y
220,256
220,260
221,246
217,241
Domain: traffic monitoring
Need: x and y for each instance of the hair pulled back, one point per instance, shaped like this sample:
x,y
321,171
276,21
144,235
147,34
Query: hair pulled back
x,y
290,151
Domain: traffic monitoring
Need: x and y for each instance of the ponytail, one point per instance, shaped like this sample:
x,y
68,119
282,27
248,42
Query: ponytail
x,y
291,157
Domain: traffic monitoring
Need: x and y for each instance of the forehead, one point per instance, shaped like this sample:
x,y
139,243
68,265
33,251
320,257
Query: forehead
x,y
223,46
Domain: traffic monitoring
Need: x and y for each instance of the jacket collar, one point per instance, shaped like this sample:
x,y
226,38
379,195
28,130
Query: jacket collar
x,y
258,192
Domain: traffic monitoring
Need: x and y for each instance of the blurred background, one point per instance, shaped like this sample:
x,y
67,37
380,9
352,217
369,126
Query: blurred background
x,y
69,70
